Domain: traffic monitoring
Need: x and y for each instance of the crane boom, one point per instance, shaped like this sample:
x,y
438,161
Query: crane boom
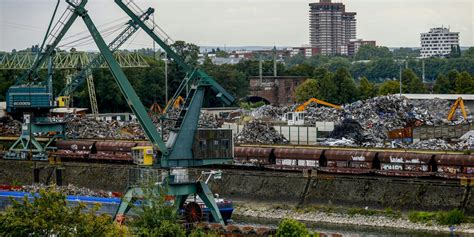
x,y
204,78
126,88
99,60
52,39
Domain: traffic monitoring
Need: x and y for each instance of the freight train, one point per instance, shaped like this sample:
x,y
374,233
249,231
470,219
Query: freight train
x,y
387,163
328,160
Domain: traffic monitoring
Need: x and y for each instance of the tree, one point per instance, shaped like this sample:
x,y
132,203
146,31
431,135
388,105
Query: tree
x,y
304,70
346,90
416,86
187,51
366,89
469,53
406,53
368,52
442,85
49,215
307,90
452,76
327,88
412,83
389,88
291,228
156,216
464,83
319,73
455,51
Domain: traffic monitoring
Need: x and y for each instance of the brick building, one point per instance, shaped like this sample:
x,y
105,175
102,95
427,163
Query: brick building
x,y
354,46
278,90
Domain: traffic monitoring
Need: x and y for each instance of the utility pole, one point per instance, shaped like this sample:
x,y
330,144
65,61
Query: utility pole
x,y
400,80
423,70
274,62
260,70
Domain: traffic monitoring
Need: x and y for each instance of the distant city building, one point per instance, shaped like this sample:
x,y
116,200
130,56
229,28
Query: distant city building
x,y
354,45
438,42
307,51
331,27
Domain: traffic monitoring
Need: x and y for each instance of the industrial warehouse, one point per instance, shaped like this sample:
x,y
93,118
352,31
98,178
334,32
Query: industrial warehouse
x,y
120,142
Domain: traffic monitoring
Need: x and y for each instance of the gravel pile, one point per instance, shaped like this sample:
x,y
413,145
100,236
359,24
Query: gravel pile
x,y
68,190
257,132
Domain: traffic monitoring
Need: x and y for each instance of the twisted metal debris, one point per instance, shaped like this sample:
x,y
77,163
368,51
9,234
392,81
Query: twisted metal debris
x,y
260,133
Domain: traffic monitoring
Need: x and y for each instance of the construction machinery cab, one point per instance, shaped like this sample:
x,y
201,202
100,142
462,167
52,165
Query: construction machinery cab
x,y
63,101
295,118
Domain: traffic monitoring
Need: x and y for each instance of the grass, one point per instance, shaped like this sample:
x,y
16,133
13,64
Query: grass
x,y
453,217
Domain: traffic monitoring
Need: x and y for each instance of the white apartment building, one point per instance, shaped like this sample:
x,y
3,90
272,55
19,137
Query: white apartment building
x,y
437,42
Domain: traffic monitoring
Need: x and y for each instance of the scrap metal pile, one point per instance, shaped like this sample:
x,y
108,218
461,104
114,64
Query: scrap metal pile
x,y
269,112
89,127
372,119
9,127
260,133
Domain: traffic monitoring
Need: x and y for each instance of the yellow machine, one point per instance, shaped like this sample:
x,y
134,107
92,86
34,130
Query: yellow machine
x,y
142,155
302,107
177,103
63,101
458,103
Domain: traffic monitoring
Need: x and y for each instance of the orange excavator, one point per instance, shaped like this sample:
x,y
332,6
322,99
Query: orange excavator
x,y
156,108
459,103
297,117
302,107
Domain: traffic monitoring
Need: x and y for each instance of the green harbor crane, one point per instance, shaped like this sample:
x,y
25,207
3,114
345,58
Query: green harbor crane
x,y
178,151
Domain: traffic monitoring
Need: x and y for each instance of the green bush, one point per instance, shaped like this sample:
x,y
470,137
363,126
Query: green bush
x,y
291,228
421,216
453,217
49,215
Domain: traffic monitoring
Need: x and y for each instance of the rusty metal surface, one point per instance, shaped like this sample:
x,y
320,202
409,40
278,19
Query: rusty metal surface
x,y
74,145
252,152
115,146
400,133
345,155
404,157
458,160
295,153
116,156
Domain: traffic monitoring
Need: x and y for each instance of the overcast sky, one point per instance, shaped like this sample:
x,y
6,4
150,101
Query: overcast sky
x,y
392,23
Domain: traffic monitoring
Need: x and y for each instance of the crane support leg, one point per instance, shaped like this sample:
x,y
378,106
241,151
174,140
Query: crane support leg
x,y
208,198
180,191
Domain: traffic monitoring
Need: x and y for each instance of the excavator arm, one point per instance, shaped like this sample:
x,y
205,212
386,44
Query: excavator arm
x,y
458,103
314,100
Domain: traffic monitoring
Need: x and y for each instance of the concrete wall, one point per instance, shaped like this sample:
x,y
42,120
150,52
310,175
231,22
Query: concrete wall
x,y
303,135
277,187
